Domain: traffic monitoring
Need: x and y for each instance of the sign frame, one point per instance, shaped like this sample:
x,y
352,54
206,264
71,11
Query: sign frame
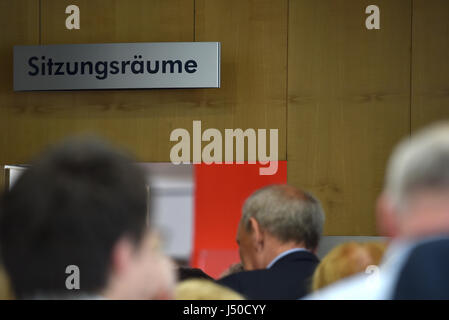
x,y
115,66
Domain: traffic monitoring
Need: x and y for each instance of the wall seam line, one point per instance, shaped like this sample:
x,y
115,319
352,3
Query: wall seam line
x,y
194,20
411,65
286,89
40,22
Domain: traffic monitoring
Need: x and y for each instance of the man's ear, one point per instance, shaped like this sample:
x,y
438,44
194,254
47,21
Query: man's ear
x,y
386,217
121,256
257,233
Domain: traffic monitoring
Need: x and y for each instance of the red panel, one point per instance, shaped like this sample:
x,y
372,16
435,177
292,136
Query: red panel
x,y
220,191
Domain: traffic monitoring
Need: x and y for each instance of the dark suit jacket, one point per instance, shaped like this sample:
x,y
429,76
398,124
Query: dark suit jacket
x,y
289,278
425,274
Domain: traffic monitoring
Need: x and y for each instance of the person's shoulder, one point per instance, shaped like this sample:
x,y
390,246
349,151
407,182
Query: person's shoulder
x,y
357,287
244,276
296,259
296,265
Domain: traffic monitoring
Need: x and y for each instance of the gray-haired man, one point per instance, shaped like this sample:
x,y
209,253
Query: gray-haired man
x,y
277,235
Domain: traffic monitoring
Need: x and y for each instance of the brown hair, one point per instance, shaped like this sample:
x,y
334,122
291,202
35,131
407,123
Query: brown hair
x,y
345,260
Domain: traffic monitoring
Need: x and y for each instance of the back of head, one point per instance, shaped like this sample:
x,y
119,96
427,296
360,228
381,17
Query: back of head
x,y
287,213
70,208
200,289
415,201
345,260
419,163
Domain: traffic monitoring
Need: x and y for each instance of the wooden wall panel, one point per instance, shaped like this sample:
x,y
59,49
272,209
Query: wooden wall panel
x,y
140,120
119,21
430,67
348,88
253,93
253,35
348,104
19,24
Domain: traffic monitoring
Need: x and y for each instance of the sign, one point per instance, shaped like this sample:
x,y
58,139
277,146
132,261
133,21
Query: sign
x,y
117,66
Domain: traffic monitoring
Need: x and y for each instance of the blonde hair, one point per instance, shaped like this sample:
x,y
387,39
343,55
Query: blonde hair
x,y
199,289
6,292
345,260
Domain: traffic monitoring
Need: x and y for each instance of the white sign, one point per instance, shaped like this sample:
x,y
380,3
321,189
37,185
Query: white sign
x,y
117,66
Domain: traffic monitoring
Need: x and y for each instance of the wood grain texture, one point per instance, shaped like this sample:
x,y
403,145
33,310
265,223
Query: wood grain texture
x,y
430,67
119,21
253,35
254,71
139,120
349,104
19,22
340,107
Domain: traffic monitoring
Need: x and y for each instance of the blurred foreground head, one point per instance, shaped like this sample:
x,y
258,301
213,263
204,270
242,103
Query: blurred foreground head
x,y
415,201
275,219
345,260
75,225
